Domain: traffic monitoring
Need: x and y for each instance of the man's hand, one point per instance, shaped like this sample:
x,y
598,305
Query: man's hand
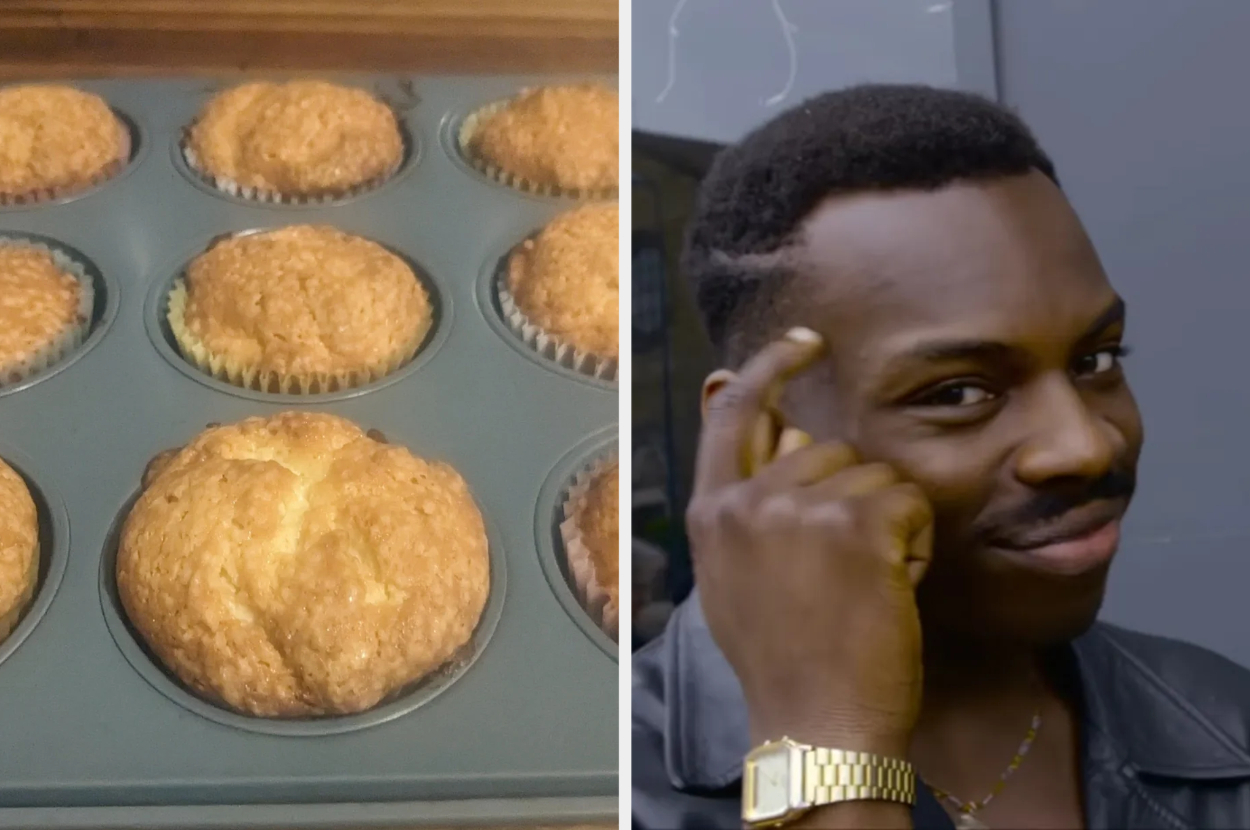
x,y
807,568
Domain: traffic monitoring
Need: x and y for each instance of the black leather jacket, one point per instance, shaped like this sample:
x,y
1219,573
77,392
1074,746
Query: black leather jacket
x,y
1165,736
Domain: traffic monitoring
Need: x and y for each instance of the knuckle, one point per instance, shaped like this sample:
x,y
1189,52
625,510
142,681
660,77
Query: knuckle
x,y
700,517
728,400
833,514
836,454
842,451
883,475
904,502
737,510
777,513
912,497
710,517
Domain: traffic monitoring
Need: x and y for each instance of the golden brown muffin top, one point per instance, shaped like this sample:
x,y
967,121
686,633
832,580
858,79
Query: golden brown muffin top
x,y
19,540
598,519
39,302
296,138
56,137
293,566
305,299
566,136
566,279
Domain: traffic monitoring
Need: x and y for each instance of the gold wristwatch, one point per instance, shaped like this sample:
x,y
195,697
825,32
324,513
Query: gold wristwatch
x,y
782,780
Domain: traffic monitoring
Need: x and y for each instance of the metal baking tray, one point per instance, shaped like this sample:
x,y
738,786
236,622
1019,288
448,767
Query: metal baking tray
x,y
93,733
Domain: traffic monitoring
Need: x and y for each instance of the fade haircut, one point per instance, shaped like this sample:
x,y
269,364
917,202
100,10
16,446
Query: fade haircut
x,y
739,245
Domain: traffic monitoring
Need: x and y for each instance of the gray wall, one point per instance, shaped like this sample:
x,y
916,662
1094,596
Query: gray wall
x,y
1142,104
730,64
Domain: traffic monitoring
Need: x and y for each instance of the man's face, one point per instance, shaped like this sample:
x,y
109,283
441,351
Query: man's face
x,y
975,345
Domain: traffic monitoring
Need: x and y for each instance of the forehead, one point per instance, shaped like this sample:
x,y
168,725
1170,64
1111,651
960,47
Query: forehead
x,y
1004,260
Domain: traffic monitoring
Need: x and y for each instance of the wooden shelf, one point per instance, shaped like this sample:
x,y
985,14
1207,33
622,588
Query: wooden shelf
x,y
49,38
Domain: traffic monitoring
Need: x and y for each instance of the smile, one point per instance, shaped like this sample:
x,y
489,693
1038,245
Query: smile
x,y
1082,541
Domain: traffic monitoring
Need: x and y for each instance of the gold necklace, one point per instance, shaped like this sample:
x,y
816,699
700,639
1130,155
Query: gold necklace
x,y
968,809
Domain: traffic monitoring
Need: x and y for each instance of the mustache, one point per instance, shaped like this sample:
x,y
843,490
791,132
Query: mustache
x,y
1047,505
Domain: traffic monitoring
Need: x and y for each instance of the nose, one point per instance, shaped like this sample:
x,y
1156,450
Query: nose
x,y
1068,440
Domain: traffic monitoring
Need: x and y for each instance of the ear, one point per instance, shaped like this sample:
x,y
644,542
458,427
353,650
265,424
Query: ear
x,y
712,384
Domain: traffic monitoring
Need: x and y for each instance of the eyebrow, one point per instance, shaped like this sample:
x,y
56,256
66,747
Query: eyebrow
x,y
954,350
1113,314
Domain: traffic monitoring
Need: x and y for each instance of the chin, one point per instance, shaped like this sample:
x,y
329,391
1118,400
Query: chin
x,y
1058,629
1055,610
1034,612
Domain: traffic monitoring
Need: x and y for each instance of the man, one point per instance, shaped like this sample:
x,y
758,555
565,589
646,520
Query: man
x,y
908,492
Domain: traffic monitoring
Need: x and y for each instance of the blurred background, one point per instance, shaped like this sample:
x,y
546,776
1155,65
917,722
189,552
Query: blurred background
x,y
1141,105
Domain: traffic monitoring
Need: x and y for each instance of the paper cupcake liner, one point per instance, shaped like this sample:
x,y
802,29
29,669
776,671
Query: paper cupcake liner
x,y
262,380
594,596
50,194
273,197
464,141
546,344
72,337
9,620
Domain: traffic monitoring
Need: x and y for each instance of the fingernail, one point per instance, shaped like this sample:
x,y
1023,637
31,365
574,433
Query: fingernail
x,y
803,336
792,439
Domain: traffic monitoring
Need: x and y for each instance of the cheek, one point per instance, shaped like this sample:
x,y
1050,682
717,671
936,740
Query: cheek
x,y
1127,419
958,473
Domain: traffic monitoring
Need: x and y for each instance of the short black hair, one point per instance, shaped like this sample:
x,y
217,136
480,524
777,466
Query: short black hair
x,y
869,137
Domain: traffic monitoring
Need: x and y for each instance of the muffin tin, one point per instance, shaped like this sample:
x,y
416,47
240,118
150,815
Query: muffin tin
x,y
522,728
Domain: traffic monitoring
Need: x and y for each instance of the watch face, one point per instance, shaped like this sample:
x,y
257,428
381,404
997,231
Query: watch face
x,y
770,784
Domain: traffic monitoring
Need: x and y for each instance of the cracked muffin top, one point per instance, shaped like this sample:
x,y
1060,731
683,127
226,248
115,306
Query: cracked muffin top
x,y
294,566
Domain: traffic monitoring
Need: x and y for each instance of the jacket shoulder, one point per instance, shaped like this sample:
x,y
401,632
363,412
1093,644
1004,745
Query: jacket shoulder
x,y
1210,684
1182,664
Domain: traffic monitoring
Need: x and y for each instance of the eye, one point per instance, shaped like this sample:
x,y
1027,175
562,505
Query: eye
x,y
956,394
1101,361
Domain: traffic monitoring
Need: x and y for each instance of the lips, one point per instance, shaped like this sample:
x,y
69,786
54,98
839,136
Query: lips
x,y
1081,541
1075,524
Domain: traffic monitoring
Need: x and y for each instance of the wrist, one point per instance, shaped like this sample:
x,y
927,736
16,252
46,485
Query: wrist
x,y
828,783
826,734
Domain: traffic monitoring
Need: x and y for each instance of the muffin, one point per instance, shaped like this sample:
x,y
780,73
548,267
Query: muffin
x,y
19,549
294,141
591,532
56,141
300,309
293,566
45,309
561,289
562,140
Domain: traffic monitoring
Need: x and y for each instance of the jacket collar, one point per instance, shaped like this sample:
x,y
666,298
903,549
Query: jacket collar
x,y
1152,721
1130,711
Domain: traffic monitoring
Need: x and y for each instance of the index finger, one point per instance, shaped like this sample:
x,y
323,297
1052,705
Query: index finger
x,y
733,411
